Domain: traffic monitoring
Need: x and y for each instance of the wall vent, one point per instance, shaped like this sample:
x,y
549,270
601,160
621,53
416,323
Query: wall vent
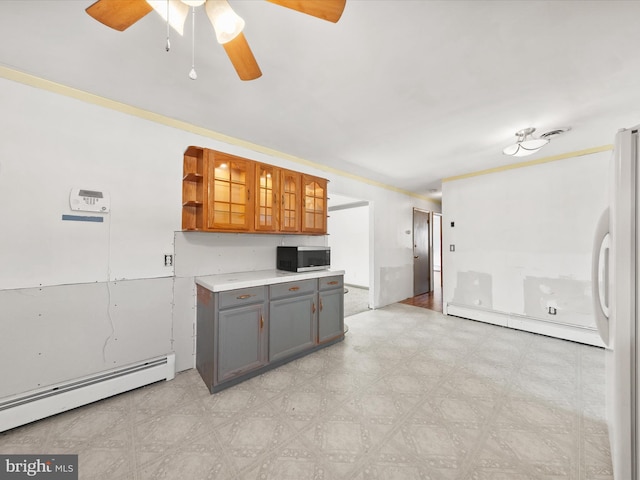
x,y
555,132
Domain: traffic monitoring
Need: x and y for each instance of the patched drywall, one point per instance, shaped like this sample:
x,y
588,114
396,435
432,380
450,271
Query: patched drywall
x,y
398,281
58,333
473,289
559,299
523,238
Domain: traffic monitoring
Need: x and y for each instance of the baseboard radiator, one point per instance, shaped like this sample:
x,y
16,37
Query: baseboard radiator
x,y
565,331
37,404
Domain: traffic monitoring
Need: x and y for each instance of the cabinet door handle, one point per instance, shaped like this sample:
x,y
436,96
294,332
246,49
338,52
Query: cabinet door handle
x,y
248,194
294,289
333,282
261,322
320,304
244,297
283,199
313,307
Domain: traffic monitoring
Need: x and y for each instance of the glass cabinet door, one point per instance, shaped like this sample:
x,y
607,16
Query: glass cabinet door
x,y
290,201
266,205
229,183
314,215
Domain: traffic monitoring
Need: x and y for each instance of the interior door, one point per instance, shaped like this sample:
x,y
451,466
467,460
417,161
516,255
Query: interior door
x,y
421,252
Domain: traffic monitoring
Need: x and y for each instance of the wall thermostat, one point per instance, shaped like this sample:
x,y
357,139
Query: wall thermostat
x,y
89,201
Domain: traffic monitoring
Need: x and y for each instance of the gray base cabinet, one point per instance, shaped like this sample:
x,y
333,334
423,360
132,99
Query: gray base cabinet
x,y
292,327
240,341
205,336
231,336
330,308
331,315
243,332
292,311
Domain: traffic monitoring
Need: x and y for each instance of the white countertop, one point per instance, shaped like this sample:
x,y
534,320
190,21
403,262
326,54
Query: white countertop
x,y
232,281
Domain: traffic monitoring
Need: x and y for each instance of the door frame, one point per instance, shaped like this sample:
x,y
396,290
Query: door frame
x,y
433,215
429,248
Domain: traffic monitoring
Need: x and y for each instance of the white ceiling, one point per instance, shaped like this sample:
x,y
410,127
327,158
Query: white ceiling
x,y
405,92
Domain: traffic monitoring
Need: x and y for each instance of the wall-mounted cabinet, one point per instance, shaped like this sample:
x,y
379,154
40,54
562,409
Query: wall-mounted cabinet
x,y
267,184
225,193
193,189
216,191
291,201
229,185
314,204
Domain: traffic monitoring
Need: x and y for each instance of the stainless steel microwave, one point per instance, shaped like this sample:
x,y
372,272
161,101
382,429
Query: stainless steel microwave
x,y
303,259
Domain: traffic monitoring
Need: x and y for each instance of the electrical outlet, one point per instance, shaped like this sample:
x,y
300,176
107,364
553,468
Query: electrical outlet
x,y
552,310
168,260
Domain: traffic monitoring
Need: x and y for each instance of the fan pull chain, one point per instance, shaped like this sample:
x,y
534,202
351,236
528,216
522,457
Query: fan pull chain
x,y
168,47
192,74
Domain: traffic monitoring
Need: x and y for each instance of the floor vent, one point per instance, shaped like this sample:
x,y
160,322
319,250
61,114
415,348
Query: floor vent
x,y
37,404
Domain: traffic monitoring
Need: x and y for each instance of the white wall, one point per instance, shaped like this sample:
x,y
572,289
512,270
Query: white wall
x,y
390,240
349,242
523,240
52,143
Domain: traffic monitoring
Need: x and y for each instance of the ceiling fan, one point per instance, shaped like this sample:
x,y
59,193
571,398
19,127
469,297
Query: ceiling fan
x,y
121,14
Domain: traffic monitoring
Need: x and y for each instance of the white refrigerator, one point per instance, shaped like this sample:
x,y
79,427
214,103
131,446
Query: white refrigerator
x,y
615,284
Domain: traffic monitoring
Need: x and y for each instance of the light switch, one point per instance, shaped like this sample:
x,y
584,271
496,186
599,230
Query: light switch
x,y
452,248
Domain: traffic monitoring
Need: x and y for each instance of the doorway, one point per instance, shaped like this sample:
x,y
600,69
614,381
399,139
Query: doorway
x,y
422,252
427,271
350,226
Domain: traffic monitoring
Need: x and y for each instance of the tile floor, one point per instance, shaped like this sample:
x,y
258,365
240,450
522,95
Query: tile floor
x,y
356,300
410,394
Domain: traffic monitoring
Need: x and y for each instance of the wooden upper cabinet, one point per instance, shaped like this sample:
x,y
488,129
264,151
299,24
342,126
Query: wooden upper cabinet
x,y
267,185
193,189
290,201
314,204
225,193
229,182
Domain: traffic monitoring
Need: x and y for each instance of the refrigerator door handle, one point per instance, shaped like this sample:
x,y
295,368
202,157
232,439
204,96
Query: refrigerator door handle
x,y
600,276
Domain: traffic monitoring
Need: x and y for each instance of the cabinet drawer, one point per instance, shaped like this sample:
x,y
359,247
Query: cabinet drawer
x,y
292,288
242,296
327,283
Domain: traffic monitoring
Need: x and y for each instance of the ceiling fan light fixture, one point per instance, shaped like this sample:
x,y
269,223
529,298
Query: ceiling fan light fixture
x,y
526,144
178,12
226,23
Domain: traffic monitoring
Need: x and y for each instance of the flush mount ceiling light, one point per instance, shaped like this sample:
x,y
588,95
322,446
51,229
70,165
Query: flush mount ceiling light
x,y
526,144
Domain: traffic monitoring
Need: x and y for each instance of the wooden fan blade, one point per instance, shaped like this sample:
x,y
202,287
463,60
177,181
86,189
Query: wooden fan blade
x,y
242,58
330,10
119,14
